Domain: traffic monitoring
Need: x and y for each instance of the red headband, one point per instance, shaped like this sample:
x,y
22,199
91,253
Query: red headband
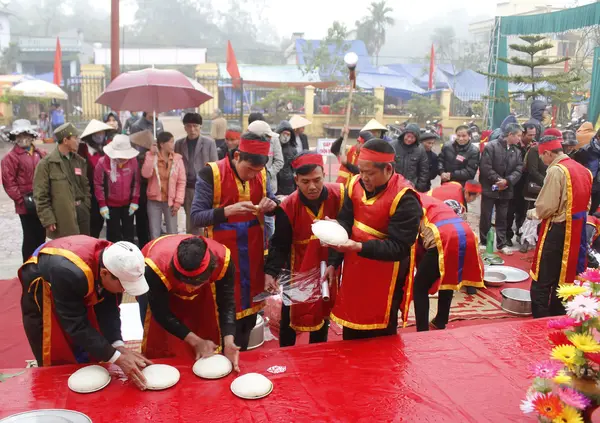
x,y
549,146
375,156
196,272
255,147
471,187
308,159
232,135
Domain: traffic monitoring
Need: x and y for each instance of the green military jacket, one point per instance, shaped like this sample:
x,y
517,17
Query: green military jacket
x,y
62,194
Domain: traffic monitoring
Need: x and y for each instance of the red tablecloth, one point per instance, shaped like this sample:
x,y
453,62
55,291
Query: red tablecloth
x,y
471,374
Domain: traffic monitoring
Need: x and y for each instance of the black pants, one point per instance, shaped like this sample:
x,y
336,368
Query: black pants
x,y
427,274
595,202
349,334
120,225
243,327
517,210
287,335
485,220
34,234
32,315
544,301
142,226
96,219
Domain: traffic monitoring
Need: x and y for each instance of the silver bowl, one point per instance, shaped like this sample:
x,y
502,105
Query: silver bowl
x,y
257,336
492,278
516,301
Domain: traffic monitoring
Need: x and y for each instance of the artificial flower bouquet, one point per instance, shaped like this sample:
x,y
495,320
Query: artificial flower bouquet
x,y
566,388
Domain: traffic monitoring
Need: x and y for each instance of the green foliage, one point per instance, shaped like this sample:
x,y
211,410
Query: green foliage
x,y
322,58
362,104
276,101
372,28
10,57
460,54
424,108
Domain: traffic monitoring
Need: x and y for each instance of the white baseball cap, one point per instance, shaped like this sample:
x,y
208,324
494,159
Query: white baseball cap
x,y
261,128
126,262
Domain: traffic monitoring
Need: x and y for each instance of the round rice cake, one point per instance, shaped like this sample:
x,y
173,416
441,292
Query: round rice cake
x,y
160,376
330,232
214,367
89,379
251,386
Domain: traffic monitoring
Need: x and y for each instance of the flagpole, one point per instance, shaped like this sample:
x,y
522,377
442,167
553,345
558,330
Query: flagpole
x,y
241,105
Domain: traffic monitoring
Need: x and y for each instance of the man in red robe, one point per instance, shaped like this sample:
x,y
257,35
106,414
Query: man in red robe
x,y
191,281
562,206
348,167
449,261
381,214
455,191
72,288
231,199
294,248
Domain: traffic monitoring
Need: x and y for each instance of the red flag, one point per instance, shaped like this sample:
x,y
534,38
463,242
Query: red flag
x,y
431,68
232,66
567,61
57,64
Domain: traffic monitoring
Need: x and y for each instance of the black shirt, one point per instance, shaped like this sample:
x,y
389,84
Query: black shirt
x,y
280,245
158,299
191,145
402,229
69,286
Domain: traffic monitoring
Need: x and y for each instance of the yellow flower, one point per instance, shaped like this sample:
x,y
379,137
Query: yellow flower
x,y
569,290
565,353
562,378
585,343
568,415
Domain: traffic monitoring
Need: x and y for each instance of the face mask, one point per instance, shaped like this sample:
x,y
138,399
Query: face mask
x,y
284,139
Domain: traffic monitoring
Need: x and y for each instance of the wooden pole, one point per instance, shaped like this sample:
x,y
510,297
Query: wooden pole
x,y
348,111
114,40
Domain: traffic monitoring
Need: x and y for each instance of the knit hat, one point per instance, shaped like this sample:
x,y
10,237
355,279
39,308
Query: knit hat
x,y
428,136
65,130
193,118
411,128
365,136
569,138
553,132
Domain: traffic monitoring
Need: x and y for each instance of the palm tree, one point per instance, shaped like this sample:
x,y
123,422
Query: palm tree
x,y
379,19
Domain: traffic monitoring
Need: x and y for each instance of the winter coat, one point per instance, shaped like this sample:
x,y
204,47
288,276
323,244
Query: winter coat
x,y
285,177
275,163
589,156
461,161
58,187
500,162
302,139
176,189
205,152
411,160
18,167
537,116
124,191
143,124
433,160
534,172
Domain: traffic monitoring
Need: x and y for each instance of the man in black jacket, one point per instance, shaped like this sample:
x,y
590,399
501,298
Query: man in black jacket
x,y
411,158
428,140
539,113
500,170
459,159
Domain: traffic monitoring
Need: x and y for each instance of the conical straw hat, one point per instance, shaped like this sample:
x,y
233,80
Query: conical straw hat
x,y
96,126
298,121
373,125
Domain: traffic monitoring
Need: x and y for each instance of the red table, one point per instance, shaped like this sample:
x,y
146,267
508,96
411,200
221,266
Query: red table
x,y
472,374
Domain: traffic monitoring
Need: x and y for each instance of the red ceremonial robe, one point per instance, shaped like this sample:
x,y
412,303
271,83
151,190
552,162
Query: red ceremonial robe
x,y
579,188
307,253
194,306
344,175
449,191
459,260
365,296
83,252
243,235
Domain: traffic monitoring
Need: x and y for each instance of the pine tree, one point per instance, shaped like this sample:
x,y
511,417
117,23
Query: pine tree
x,y
557,86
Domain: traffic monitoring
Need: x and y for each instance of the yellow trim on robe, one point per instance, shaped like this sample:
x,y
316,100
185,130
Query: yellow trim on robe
x,y
397,199
213,289
343,174
31,260
369,230
249,311
351,185
160,274
306,328
409,283
534,272
305,241
216,184
568,226
47,326
225,263
146,328
342,196
438,244
76,260
263,174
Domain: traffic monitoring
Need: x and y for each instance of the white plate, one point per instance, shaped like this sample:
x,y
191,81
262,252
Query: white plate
x,y
513,274
87,373
330,232
160,376
48,416
214,361
243,396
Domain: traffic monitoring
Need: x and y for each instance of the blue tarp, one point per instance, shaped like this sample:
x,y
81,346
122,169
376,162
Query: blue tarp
x,y
395,86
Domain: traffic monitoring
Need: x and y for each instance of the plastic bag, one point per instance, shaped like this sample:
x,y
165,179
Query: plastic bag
x,y
304,287
529,231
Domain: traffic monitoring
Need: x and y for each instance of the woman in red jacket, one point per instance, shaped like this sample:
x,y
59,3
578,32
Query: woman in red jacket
x,y
18,167
117,187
